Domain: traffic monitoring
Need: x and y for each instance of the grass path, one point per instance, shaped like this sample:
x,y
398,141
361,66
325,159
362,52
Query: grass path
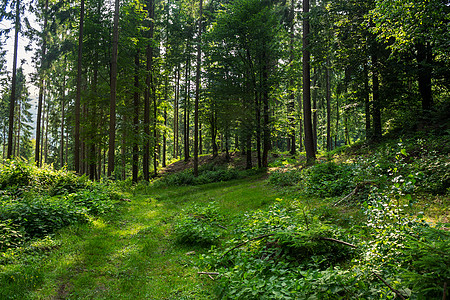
x,y
133,254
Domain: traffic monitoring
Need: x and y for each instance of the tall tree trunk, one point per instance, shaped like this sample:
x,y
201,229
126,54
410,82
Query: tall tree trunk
x,y
291,104
155,134
424,61
148,93
136,104
46,134
19,123
197,90
78,93
300,138
265,98
164,140
367,103
309,139
41,87
337,122
112,103
12,102
327,74
63,100
186,109
314,107
175,114
376,99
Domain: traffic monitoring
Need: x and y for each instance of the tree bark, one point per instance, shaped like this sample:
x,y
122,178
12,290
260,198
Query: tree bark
x,y
135,170
197,90
424,60
12,102
78,93
327,74
376,99
148,93
41,88
112,104
309,139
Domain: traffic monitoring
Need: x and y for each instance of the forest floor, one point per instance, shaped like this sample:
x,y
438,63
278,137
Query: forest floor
x,y
133,254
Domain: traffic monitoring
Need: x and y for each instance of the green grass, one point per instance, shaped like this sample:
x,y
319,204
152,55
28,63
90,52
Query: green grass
x,y
131,254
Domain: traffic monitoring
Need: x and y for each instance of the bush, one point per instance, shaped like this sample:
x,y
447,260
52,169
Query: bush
x,y
42,216
10,235
329,179
206,175
199,226
94,201
285,177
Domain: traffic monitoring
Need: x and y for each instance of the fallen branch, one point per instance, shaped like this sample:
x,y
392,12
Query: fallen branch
x,y
347,197
208,273
243,243
337,241
354,192
390,287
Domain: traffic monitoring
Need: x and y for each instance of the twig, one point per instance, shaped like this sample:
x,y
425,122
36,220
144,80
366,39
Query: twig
x,y
390,287
221,226
337,241
347,197
243,243
208,273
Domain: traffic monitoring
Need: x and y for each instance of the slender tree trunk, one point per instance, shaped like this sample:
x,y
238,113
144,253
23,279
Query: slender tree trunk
x,y
112,104
314,108
197,90
164,140
300,123
63,100
136,119
19,123
148,93
155,134
376,99
367,103
337,122
200,139
12,102
329,144
309,139
424,61
44,116
46,134
291,104
265,98
41,87
186,110
78,93
176,114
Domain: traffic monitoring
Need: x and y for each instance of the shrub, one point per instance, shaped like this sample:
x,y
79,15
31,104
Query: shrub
x,y
199,226
285,177
42,216
329,179
95,202
10,235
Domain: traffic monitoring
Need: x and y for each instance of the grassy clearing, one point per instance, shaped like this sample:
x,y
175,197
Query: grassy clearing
x,y
133,253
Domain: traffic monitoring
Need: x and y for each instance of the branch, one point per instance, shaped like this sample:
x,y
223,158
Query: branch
x,y
390,287
337,241
243,243
208,273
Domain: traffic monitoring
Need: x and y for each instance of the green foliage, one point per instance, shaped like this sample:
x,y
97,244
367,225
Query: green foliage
x,y
95,201
42,216
35,202
10,235
329,179
286,177
207,174
199,225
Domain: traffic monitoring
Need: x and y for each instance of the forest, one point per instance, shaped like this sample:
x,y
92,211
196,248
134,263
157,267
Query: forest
x,y
229,149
